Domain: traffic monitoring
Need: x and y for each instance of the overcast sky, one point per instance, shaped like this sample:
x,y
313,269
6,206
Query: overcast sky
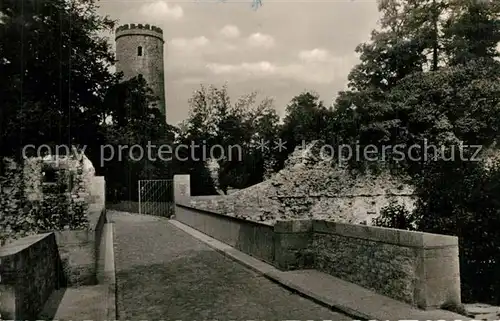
x,y
280,49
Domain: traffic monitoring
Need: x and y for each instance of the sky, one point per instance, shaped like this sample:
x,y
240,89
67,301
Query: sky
x,y
278,50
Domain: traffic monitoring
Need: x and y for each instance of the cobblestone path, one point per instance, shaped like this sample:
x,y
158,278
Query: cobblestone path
x,y
162,273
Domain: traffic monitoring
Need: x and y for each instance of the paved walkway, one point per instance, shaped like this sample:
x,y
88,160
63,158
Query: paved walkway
x,y
163,273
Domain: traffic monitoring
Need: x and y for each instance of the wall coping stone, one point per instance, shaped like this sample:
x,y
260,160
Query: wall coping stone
x,y
293,226
94,213
371,233
21,244
232,218
385,235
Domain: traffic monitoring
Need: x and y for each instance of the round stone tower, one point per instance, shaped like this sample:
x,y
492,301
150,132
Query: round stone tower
x,y
139,50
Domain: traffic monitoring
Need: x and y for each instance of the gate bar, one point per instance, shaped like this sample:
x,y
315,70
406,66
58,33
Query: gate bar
x,y
139,197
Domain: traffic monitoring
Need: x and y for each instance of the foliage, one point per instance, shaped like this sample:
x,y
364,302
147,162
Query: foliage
x,y
238,128
429,75
132,122
55,71
59,211
59,208
18,217
306,119
461,198
395,215
57,89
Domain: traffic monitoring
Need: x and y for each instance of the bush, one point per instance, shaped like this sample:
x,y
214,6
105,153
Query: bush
x,y
395,215
18,217
58,209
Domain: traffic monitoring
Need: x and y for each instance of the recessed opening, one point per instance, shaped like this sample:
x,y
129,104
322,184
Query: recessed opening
x,y
49,175
139,51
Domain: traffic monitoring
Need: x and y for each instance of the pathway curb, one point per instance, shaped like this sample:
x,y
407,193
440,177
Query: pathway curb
x,y
268,271
109,272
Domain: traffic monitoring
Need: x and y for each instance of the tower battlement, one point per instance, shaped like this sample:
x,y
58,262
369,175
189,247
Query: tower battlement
x,y
139,26
138,29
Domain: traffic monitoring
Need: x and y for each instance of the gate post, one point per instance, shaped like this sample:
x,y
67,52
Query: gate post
x,y
182,188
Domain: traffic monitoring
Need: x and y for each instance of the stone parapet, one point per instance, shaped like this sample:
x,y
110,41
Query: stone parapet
x,y
249,237
79,249
420,269
30,270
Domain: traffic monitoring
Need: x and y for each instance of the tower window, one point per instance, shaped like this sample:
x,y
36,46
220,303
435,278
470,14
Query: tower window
x,y
139,51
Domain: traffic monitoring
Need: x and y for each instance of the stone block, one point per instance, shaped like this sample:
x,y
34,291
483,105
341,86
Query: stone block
x,y
292,246
438,240
7,302
182,187
69,237
439,277
293,240
293,226
79,249
418,268
30,270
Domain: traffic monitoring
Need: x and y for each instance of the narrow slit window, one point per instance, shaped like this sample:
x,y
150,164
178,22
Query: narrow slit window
x,y
139,51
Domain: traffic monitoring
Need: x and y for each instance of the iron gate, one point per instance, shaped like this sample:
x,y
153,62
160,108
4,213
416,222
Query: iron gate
x,y
156,197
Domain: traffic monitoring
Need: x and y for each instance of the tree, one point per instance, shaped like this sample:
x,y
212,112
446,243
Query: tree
x,y
392,53
472,31
452,102
132,122
54,69
306,119
238,128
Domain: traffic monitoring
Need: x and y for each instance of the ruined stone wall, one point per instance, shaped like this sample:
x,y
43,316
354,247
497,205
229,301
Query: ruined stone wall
x,y
309,187
32,173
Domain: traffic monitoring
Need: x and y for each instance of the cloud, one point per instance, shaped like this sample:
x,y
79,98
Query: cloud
x,y
260,40
161,10
191,80
315,55
257,68
188,44
310,72
230,31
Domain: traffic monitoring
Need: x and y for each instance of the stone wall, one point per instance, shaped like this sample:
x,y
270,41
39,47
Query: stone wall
x,y
250,237
32,174
80,249
417,268
214,203
309,187
29,273
97,190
